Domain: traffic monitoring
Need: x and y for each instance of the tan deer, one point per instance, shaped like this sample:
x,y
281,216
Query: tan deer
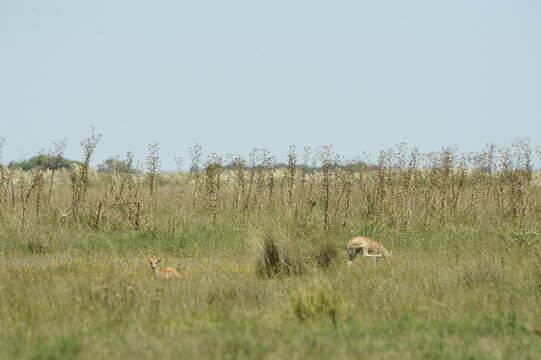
x,y
367,247
166,273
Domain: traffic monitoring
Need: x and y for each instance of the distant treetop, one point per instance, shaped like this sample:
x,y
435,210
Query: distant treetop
x,y
44,162
114,164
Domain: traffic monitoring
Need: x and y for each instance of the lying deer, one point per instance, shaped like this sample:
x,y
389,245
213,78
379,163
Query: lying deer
x,y
367,247
166,273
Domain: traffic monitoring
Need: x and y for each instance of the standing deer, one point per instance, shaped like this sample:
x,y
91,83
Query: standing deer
x,y
367,247
166,273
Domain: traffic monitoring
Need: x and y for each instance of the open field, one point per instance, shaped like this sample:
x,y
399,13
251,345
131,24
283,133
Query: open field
x,y
262,262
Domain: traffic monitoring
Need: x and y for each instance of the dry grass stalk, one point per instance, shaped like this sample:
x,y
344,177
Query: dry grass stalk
x,y
253,157
291,171
268,164
196,153
153,167
326,168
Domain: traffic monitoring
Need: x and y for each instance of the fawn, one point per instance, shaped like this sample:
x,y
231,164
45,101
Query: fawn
x,y
166,273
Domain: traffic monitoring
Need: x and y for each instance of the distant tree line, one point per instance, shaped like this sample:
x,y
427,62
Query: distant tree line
x,y
114,164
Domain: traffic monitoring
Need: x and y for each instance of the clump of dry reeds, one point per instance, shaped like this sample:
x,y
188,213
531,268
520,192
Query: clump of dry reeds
x,y
128,185
55,158
79,179
239,165
213,171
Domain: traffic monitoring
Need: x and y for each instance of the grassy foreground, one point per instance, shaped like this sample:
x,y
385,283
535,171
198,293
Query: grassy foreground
x,y
464,291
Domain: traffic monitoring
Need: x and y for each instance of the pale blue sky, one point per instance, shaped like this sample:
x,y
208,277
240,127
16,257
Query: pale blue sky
x,y
234,75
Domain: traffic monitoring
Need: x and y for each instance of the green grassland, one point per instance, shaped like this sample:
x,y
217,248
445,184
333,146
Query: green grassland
x,y
262,262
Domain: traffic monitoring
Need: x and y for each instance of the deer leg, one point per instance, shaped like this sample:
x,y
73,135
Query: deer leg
x,y
375,256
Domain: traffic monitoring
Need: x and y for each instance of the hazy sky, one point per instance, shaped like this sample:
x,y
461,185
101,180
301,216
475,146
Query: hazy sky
x,y
234,75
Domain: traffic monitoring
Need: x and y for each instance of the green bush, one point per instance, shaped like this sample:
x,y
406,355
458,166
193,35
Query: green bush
x,y
315,302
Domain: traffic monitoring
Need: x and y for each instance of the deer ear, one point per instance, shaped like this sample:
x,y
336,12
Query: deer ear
x,y
159,260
